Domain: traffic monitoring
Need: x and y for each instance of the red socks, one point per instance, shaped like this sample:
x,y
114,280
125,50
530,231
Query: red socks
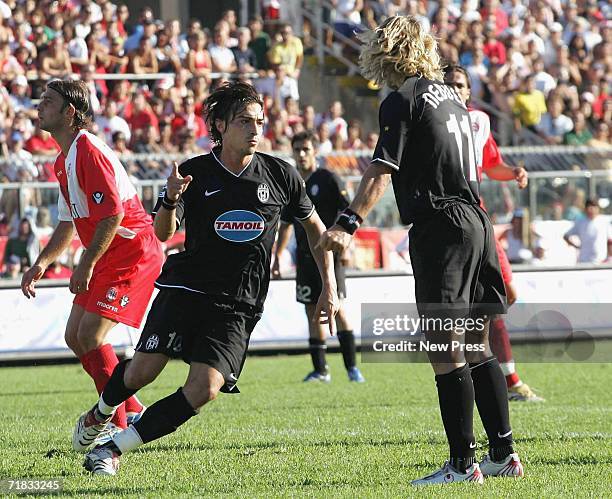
x,y
500,345
99,363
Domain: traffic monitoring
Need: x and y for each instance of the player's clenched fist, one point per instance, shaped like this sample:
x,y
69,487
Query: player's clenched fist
x,y
335,239
177,184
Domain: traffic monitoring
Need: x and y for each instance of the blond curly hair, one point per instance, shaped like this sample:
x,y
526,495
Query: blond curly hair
x,y
397,49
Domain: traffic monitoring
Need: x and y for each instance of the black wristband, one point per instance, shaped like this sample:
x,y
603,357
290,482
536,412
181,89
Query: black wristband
x,y
349,221
168,203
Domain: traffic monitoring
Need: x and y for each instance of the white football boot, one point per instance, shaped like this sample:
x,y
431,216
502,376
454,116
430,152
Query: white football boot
x,y
448,474
511,466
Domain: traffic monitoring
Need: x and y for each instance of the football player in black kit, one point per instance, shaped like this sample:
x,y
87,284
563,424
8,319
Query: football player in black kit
x,y
329,197
425,148
212,294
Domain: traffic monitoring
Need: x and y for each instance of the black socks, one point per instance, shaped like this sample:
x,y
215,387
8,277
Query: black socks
x,y
491,395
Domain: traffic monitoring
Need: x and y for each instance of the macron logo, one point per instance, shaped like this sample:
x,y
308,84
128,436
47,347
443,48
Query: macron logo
x,y
207,193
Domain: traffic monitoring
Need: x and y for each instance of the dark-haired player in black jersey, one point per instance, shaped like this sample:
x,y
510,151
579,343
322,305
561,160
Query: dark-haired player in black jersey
x,y
212,294
425,148
329,197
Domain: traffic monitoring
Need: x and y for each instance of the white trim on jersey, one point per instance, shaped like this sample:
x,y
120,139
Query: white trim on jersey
x,y
387,163
307,216
230,171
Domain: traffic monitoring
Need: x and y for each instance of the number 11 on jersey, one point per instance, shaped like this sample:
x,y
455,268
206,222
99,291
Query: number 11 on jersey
x,y
463,128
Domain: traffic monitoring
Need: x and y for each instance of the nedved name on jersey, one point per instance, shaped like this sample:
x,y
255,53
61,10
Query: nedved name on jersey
x,y
438,93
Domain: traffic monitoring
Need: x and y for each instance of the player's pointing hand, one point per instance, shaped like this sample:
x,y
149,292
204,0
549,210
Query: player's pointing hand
x,y
176,184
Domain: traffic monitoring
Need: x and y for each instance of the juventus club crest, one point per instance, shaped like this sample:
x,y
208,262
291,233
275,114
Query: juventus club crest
x,y
263,193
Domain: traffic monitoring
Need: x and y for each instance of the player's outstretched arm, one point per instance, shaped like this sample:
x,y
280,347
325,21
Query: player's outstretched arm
x,y
371,188
164,224
60,240
284,234
327,305
504,172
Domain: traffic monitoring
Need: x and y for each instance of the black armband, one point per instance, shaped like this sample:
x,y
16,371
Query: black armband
x,y
168,203
349,221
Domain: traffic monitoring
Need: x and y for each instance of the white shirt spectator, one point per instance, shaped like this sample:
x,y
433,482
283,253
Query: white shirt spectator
x,y
115,124
555,127
222,56
77,48
289,88
544,82
593,235
5,10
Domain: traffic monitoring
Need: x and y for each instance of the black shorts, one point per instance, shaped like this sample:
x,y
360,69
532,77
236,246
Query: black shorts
x,y
455,264
199,328
308,284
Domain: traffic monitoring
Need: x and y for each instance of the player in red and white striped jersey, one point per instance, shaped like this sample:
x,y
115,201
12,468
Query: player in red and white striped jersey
x,y
113,281
489,160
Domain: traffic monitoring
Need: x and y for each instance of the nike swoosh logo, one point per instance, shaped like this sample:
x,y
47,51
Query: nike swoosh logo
x,y
472,445
206,193
504,435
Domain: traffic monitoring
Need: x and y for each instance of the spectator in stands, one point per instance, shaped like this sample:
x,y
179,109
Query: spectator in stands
x,y
554,124
223,60
529,105
198,60
55,61
42,225
229,16
77,47
260,43
147,144
20,100
110,122
284,86
25,245
166,137
19,159
116,61
57,271
309,117
120,143
168,60
9,65
580,135
187,118
13,267
602,135
493,49
325,144
353,142
517,248
574,200
287,51
590,235
246,59
336,123
544,82
143,60
141,114
187,142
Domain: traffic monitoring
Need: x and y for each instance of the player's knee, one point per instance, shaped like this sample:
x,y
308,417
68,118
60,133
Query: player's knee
x,y
72,340
198,396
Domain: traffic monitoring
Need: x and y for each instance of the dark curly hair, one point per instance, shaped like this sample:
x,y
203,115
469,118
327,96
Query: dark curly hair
x,y
225,102
77,94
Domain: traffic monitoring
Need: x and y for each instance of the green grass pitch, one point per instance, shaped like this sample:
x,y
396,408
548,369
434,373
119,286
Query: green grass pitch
x,y
280,437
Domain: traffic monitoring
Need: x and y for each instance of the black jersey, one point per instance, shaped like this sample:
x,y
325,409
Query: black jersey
x,y
329,197
230,226
426,137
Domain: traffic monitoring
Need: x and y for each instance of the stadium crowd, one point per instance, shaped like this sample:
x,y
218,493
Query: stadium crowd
x,y
546,65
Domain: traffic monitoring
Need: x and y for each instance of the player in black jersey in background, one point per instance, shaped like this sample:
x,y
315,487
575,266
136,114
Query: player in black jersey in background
x,y
212,294
426,149
329,197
